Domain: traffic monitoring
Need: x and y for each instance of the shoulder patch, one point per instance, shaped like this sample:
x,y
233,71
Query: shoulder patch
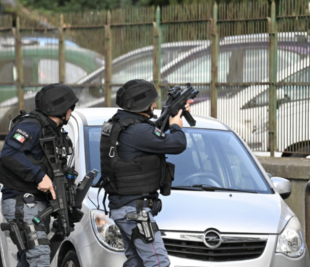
x,y
107,128
20,136
159,133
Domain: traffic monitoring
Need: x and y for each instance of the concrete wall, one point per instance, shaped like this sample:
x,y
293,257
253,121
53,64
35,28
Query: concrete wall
x,y
297,170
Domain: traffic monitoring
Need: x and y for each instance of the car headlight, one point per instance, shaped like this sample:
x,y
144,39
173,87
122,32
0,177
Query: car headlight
x,y
106,231
290,241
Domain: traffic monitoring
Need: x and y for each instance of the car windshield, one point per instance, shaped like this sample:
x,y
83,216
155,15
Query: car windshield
x,y
212,158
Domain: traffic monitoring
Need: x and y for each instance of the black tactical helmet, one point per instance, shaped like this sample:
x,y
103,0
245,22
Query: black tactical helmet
x,y
136,95
55,99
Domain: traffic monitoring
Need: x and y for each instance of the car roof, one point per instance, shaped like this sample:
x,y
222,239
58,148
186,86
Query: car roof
x,y
96,116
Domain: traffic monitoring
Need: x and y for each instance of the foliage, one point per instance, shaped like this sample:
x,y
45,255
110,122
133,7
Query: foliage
x,y
78,5
62,6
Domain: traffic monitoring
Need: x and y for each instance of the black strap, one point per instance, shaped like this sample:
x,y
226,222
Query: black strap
x,y
103,202
155,227
46,126
19,208
39,228
146,203
139,206
40,117
101,183
40,241
44,241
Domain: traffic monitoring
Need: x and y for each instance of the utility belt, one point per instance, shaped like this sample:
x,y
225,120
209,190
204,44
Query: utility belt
x,y
24,235
155,205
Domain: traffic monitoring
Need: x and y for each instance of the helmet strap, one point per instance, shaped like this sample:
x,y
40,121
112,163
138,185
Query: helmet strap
x,y
63,119
149,112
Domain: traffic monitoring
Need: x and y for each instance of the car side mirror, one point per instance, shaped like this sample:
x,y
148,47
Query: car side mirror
x,y
283,186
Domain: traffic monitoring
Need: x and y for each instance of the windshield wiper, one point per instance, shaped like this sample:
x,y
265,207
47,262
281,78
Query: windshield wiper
x,y
215,188
186,187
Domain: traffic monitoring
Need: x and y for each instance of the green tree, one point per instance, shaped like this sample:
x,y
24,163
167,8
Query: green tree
x,y
51,6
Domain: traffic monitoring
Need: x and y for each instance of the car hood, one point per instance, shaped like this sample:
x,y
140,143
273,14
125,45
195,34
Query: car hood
x,y
228,212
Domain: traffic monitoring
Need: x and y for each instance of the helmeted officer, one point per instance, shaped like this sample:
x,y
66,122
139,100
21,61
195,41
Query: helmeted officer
x,y
133,168
25,171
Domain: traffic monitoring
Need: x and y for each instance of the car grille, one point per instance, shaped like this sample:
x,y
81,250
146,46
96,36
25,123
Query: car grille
x,y
230,251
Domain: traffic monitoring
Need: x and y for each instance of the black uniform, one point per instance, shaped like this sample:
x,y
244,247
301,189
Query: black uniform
x,y
138,141
22,167
15,158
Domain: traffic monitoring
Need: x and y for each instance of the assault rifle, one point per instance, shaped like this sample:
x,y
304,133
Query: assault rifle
x,y
69,197
176,101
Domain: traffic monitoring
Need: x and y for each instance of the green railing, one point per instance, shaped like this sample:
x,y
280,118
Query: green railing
x,y
249,60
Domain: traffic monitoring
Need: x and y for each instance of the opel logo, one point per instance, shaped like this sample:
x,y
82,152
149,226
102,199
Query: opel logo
x,y
212,239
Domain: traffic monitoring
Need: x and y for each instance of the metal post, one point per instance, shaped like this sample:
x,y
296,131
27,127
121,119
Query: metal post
x,y
61,52
214,61
157,57
307,213
108,62
272,80
19,65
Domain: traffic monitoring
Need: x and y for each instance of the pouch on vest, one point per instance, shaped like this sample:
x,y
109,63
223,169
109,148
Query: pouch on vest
x,y
165,187
142,175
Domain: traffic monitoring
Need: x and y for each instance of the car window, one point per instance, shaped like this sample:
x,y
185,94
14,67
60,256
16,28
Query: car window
x,y
92,148
212,158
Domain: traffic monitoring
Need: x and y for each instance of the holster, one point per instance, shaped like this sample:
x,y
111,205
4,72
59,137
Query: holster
x,y
16,235
24,235
145,229
138,232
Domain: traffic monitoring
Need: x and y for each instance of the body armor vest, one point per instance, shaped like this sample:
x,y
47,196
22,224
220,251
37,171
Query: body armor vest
x,y
11,179
140,176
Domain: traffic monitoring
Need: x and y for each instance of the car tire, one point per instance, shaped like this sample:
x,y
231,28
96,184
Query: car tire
x,y
70,260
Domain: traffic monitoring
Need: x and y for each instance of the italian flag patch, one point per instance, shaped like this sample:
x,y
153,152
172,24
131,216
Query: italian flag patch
x,y
19,138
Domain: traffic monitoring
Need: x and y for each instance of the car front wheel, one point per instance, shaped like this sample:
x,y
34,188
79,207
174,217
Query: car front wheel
x,y
70,260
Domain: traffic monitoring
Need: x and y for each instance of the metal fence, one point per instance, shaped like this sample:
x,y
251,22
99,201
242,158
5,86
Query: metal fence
x,y
249,60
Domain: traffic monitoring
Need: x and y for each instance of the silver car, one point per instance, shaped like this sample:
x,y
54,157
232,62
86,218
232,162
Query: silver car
x,y
224,209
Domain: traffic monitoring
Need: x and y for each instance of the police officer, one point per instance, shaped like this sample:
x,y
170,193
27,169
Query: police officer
x,y
133,168
24,168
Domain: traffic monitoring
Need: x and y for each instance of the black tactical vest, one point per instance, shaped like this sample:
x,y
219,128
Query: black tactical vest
x,y
138,177
9,178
